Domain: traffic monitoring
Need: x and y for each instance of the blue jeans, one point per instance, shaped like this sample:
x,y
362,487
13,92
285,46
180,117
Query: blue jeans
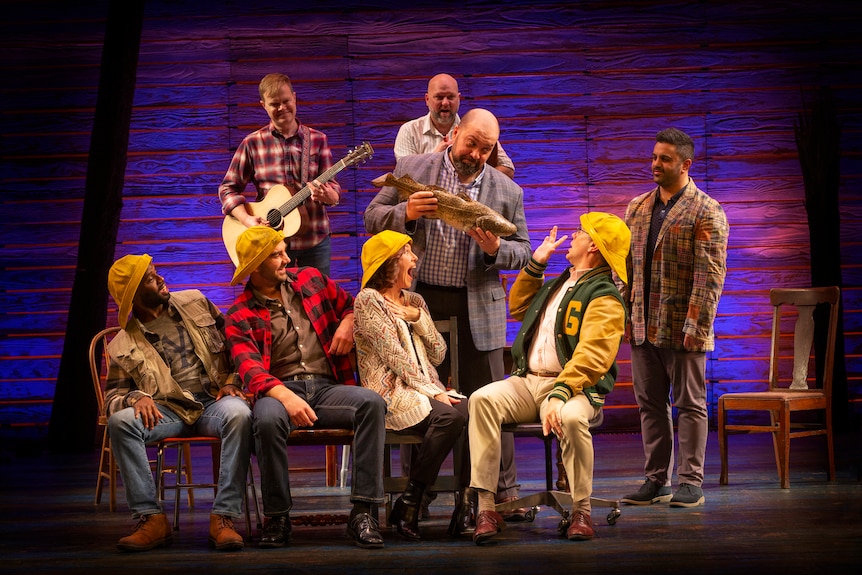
x,y
228,418
337,406
317,257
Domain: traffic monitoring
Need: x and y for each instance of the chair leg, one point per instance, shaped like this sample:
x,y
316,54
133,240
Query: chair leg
x,y
100,477
345,466
549,465
781,444
107,472
248,502
112,487
216,464
830,447
160,472
722,442
181,449
258,515
331,466
187,470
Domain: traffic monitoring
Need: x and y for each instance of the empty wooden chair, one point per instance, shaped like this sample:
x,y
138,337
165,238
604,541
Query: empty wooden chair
x,y
794,324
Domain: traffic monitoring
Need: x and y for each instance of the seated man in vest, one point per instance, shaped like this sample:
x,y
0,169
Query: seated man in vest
x,y
564,363
169,375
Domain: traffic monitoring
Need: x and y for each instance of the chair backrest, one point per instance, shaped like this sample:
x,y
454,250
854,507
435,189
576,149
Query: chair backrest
x,y
450,326
801,338
98,360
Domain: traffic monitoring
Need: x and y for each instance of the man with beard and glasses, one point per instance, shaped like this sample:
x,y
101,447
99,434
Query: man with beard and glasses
x,y
169,375
458,273
433,132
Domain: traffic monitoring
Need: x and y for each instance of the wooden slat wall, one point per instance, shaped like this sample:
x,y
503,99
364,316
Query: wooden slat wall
x,y
580,89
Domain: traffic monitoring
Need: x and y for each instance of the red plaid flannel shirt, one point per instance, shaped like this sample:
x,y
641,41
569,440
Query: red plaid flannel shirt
x,y
249,332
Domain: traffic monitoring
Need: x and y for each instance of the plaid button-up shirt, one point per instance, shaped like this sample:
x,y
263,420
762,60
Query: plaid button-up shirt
x,y
267,158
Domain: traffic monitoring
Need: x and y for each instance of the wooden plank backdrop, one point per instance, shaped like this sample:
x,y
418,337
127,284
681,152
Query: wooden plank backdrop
x,y
580,89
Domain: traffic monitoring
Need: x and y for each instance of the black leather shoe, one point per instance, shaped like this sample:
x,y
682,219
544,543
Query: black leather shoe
x,y
276,533
364,530
463,520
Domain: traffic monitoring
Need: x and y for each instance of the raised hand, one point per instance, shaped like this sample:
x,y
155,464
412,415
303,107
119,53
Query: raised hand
x,y
548,246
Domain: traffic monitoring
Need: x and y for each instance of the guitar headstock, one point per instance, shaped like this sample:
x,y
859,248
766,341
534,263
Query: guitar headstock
x,y
359,154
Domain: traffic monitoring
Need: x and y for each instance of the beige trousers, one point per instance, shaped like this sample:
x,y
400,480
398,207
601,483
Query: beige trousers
x,y
524,400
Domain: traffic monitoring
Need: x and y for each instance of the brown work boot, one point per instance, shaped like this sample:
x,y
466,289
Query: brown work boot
x,y
222,534
151,531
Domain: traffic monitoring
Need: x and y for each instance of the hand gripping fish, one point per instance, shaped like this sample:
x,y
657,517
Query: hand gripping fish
x,y
459,211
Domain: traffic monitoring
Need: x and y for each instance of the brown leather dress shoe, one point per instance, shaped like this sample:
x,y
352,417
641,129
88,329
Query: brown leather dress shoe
x,y
488,524
222,534
151,531
517,514
581,527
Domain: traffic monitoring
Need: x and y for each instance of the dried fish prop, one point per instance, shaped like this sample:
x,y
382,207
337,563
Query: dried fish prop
x,y
458,210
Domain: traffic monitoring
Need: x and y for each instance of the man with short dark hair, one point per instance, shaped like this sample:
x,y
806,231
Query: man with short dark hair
x,y
290,332
677,265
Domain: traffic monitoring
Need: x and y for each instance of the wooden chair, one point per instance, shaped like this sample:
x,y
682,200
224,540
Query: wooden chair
x,y
107,464
182,466
789,389
331,439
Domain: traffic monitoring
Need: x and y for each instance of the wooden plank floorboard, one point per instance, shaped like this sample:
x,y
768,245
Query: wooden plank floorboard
x,y
49,523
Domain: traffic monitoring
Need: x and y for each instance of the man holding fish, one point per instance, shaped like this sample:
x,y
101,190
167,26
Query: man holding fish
x,y
458,272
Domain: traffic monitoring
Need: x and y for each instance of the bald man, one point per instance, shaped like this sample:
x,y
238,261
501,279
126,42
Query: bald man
x,y
458,273
433,132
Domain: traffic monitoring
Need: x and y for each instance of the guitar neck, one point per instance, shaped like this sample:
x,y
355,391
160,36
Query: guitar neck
x,y
296,199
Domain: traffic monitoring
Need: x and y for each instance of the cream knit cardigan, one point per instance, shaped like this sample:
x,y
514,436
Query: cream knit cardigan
x,y
397,358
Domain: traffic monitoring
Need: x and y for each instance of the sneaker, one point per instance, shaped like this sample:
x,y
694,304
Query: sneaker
x,y
649,493
687,495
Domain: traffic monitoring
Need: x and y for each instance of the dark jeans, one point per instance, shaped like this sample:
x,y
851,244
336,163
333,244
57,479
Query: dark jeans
x,y
337,406
317,257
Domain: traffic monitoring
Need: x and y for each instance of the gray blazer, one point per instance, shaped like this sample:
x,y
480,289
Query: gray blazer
x,y
486,298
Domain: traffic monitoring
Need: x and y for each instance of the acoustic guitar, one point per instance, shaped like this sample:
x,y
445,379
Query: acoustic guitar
x,y
280,207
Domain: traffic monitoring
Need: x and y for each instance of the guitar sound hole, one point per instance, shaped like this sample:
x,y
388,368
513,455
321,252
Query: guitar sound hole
x,y
274,218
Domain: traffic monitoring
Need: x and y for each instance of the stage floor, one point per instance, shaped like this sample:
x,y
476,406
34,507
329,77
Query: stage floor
x,y
49,522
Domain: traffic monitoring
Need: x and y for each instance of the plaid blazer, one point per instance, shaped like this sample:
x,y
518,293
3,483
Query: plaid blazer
x,y
688,269
486,298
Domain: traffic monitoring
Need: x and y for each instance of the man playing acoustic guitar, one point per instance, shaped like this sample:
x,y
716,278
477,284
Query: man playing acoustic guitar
x,y
287,153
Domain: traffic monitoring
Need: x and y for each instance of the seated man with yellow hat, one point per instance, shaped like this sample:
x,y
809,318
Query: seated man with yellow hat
x,y
564,363
168,375
290,333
